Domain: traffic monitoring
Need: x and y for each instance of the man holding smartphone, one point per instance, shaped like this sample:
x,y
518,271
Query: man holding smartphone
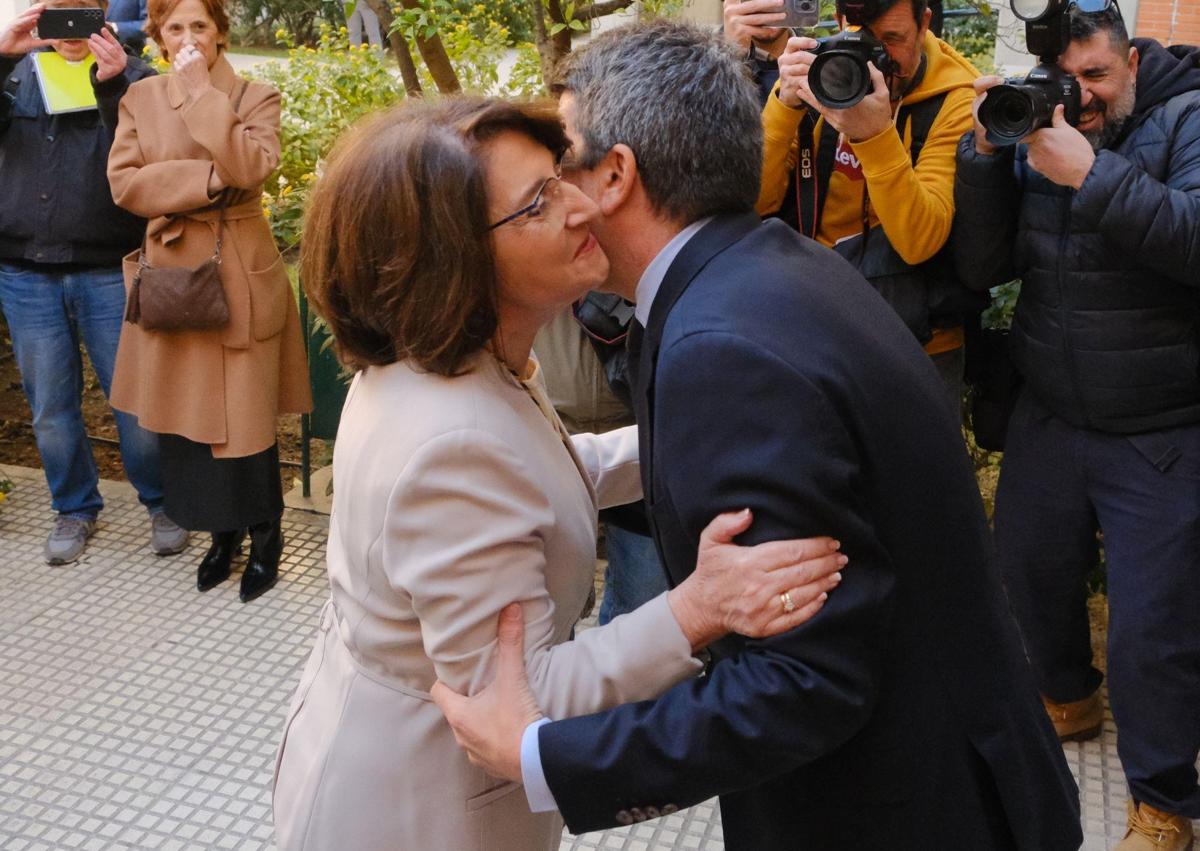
x,y
61,244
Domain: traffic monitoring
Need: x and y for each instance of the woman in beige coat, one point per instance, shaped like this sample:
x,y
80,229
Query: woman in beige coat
x,y
437,243
192,150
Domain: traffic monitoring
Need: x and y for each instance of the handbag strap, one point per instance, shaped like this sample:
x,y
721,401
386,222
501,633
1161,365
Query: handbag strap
x,y
222,204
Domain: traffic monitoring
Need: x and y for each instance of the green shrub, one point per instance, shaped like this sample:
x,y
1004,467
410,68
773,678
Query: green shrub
x,y
325,89
975,36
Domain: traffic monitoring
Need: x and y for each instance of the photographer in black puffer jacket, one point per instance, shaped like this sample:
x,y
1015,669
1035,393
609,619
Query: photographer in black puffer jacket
x,y
1102,225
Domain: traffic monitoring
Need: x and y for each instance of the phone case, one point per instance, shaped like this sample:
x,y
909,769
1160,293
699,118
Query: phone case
x,y
70,23
801,13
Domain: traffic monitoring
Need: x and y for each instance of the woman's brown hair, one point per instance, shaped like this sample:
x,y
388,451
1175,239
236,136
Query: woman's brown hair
x,y
395,254
157,12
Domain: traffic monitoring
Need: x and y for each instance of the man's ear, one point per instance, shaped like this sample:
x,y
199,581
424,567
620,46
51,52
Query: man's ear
x,y
618,178
1134,58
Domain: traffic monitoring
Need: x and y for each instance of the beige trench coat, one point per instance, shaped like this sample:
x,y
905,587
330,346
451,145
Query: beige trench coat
x,y
454,497
222,387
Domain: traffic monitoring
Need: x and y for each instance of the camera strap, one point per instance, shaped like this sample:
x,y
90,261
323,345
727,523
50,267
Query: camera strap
x,y
814,167
815,159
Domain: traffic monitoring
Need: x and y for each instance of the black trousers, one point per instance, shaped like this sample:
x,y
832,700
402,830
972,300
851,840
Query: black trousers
x,y
1058,486
208,494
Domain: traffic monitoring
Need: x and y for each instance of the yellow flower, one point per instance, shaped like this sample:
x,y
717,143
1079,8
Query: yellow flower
x,y
3,496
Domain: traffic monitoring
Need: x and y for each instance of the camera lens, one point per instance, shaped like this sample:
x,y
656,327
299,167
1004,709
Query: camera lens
x,y
1008,113
839,80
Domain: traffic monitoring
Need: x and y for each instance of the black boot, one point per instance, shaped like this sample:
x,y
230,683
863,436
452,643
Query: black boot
x,y
266,546
214,567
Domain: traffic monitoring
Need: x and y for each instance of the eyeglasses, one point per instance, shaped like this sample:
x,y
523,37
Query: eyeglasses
x,y
547,196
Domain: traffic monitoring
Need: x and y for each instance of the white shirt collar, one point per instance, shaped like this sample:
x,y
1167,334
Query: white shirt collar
x,y
652,278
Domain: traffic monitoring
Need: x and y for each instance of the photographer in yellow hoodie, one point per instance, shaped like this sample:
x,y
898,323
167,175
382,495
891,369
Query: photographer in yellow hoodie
x,y
878,178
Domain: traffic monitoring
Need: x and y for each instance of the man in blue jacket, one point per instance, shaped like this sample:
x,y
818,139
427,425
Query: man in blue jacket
x,y
1102,224
61,243
770,375
128,18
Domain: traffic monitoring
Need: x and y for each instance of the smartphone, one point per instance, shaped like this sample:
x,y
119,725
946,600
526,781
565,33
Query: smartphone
x,y
70,23
800,13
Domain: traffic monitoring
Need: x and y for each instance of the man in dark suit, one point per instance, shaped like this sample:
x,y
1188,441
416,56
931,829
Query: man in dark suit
x,y
772,376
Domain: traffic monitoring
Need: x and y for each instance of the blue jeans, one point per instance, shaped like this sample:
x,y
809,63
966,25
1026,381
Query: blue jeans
x,y
49,313
634,574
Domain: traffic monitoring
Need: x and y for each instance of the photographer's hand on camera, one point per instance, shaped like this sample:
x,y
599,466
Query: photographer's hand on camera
x,y
16,38
794,63
111,58
752,22
1060,153
982,145
865,120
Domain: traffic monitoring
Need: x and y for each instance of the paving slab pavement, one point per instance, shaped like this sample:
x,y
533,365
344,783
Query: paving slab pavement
x,y
137,713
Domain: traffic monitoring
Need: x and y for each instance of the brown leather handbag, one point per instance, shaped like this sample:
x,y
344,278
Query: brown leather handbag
x,y
175,298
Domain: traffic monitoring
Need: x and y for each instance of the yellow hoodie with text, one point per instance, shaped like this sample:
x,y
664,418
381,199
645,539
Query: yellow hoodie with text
x,y
915,206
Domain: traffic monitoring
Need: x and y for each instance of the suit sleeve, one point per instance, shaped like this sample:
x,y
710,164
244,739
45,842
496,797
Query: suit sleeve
x,y
986,200
464,537
152,189
781,702
1155,222
612,463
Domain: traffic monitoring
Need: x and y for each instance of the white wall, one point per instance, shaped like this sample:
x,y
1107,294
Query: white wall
x,y
10,8
702,12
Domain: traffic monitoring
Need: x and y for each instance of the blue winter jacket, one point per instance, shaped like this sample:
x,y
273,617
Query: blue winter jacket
x,y
1106,331
56,205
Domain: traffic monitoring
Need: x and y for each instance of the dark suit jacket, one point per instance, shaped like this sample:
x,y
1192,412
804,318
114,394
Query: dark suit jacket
x,y
903,715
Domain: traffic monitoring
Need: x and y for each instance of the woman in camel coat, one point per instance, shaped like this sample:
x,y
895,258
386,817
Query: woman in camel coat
x,y
192,150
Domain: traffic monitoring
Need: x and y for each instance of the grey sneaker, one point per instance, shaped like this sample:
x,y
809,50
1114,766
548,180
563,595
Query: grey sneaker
x,y
68,538
166,538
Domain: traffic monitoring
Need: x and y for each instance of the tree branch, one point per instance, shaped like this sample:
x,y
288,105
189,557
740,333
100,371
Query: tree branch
x,y
600,8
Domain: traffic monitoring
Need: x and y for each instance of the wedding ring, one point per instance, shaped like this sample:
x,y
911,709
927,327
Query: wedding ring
x,y
789,605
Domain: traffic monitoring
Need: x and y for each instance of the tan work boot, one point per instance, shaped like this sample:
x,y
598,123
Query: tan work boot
x,y
1077,721
1149,829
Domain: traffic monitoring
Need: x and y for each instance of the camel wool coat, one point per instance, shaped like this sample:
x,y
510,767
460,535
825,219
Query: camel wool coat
x,y
454,497
224,387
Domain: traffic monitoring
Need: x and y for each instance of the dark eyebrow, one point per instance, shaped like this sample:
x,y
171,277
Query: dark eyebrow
x,y
1094,70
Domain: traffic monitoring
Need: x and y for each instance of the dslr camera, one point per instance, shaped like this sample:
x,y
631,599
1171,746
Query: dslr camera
x,y
1021,105
839,76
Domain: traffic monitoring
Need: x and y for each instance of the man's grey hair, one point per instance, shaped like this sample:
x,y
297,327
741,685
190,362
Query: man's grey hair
x,y
684,103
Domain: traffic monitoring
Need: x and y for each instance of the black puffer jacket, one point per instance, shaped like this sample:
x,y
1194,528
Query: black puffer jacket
x,y
1107,327
55,202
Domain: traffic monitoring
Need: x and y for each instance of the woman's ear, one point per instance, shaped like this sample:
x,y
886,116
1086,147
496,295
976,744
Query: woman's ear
x,y
618,177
